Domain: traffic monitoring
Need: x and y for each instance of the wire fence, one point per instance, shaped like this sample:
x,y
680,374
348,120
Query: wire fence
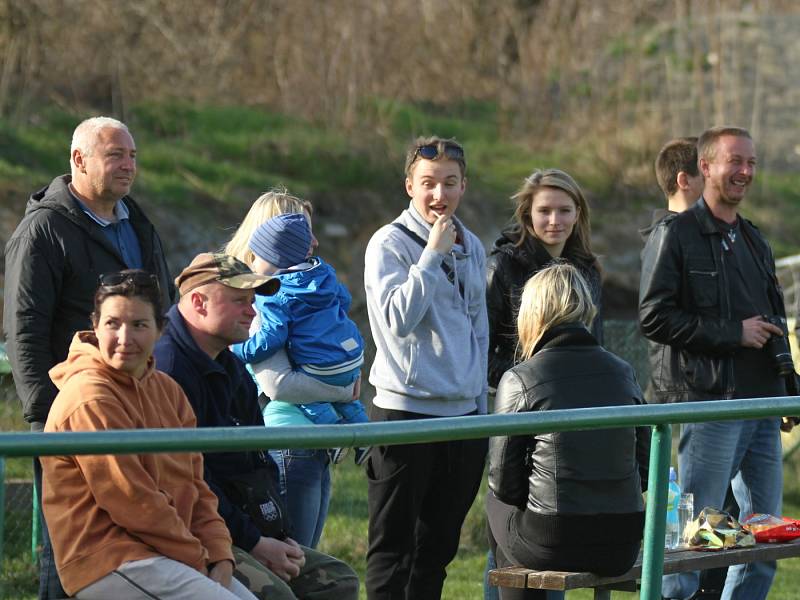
x,y
18,518
18,571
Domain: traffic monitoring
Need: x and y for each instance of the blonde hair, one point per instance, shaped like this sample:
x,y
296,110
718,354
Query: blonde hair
x,y
277,201
579,242
556,294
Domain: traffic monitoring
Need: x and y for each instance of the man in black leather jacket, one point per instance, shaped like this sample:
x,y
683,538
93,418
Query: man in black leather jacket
x,y
708,281
679,177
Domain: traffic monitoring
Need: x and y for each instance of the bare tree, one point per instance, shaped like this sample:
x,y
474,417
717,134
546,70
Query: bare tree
x,y
613,74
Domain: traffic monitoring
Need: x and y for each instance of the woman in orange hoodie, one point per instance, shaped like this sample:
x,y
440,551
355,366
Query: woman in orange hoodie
x,y
130,525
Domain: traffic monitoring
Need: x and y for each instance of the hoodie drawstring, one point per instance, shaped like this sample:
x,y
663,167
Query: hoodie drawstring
x,y
456,293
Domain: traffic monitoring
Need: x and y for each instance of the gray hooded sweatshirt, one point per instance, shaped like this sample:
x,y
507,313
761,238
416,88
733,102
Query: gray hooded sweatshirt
x,y
432,343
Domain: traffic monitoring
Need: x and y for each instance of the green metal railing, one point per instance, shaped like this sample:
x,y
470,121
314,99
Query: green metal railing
x,y
660,417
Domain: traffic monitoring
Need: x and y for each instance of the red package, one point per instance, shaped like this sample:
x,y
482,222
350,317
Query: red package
x,y
769,528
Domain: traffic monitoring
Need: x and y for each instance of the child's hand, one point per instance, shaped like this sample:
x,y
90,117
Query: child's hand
x,y
357,388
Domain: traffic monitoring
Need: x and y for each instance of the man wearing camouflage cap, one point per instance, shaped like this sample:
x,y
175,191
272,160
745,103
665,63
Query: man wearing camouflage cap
x,y
215,310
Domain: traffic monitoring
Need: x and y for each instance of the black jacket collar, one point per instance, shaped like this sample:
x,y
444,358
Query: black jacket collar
x,y
566,334
177,330
708,223
704,216
531,254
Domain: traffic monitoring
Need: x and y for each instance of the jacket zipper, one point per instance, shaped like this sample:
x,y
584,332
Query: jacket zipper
x,y
728,360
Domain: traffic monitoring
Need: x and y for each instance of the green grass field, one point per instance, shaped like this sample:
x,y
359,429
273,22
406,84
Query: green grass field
x,y
224,154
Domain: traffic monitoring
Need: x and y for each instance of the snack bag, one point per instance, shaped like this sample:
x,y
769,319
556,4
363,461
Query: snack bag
x,y
769,528
715,530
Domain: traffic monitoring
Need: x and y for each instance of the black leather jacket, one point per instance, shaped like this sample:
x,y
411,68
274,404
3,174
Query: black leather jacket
x,y
574,472
659,354
685,304
508,268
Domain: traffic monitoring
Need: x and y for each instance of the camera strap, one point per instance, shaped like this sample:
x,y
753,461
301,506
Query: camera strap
x,y
448,271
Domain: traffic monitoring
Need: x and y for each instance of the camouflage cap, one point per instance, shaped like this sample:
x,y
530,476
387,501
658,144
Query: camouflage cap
x,y
227,270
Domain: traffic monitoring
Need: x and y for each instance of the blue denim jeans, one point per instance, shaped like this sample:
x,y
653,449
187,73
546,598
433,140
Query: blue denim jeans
x,y
49,582
490,592
305,484
748,455
330,413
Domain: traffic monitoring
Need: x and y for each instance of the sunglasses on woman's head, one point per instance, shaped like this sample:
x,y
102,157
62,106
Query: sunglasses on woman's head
x,y
138,278
431,151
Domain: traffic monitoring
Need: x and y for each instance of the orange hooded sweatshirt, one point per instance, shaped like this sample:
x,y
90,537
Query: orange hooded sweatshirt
x,y
105,510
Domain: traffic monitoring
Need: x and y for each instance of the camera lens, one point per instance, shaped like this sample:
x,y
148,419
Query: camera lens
x,y
778,347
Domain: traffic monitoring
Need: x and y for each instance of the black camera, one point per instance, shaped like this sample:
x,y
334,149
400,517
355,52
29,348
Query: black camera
x,y
778,347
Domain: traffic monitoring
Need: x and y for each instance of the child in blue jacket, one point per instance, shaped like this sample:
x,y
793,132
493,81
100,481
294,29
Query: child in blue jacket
x,y
308,316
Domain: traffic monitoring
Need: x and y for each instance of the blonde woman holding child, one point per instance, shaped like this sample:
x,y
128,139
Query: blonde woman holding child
x,y
311,370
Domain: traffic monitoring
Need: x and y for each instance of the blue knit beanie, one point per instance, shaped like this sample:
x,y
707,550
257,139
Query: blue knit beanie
x,y
282,241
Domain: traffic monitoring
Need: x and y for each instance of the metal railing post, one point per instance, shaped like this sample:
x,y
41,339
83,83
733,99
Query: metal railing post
x,y
2,505
36,523
656,512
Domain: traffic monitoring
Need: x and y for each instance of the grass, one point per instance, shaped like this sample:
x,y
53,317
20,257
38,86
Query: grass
x,y
11,420
213,159
189,154
185,150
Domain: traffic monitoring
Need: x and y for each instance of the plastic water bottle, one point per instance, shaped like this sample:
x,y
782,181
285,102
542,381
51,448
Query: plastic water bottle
x,y
672,537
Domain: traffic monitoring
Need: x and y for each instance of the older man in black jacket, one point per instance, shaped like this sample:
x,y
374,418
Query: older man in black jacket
x,y
708,289
75,229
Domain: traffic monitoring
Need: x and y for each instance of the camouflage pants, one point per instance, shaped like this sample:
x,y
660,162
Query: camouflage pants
x,y
321,578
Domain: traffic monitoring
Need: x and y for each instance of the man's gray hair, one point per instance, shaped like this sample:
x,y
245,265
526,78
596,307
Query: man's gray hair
x,y
85,134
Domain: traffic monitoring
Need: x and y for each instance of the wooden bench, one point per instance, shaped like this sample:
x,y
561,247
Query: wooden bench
x,y
675,561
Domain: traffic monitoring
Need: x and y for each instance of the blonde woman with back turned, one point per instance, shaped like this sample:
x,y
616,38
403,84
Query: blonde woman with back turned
x,y
568,501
